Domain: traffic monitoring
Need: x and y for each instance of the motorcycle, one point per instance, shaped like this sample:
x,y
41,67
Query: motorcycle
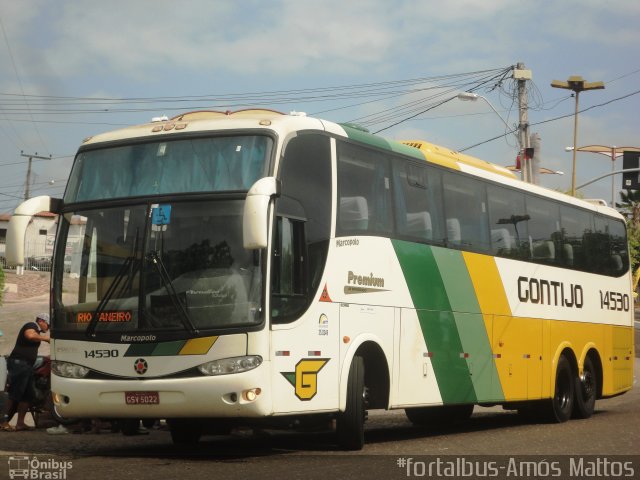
x,y
42,408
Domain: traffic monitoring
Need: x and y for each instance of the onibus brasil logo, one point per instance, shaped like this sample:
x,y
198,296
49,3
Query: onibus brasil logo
x,y
305,378
34,468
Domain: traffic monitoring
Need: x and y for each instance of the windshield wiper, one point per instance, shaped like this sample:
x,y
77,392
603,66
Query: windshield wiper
x,y
130,263
175,298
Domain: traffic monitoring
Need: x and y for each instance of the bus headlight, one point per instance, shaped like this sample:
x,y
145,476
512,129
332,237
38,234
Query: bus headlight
x,y
226,366
68,370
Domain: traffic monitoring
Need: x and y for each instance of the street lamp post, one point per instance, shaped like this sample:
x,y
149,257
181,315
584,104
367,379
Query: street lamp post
x,y
612,152
470,96
473,97
577,84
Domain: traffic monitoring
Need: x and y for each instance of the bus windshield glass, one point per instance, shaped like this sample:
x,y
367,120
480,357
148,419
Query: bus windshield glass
x,y
211,164
168,267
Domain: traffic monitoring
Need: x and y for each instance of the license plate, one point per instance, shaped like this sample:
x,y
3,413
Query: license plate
x,y
142,398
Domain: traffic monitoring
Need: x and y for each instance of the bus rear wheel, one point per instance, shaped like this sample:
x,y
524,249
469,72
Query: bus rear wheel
x,y
439,416
585,391
350,423
560,407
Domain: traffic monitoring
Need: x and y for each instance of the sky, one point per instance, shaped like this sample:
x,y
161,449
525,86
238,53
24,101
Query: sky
x,y
74,69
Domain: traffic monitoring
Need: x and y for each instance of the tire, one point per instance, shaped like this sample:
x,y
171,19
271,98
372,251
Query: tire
x,y
440,416
560,407
586,390
185,431
51,407
350,423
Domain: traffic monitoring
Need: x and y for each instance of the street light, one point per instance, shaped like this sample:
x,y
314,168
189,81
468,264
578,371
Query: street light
x,y
613,152
473,97
577,84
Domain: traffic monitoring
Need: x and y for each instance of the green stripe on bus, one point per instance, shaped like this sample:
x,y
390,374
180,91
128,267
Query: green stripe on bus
x,y
470,324
365,137
169,348
140,349
155,349
407,150
437,321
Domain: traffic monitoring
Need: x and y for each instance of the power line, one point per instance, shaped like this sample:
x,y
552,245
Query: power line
x,y
13,63
554,119
370,86
412,113
323,94
622,76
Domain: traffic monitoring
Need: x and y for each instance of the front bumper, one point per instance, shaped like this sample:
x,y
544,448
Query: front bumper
x,y
223,396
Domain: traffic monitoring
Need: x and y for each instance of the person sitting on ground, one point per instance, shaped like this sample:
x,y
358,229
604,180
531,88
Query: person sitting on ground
x,y
20,371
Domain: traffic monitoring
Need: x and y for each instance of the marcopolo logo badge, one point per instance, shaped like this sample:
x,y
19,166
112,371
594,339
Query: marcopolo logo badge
x,y
140,366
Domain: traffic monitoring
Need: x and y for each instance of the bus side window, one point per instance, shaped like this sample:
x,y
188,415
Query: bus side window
x,y
544,230
454,237
417,202
465,207
354,213
509,223
364,191
288,283
577,225
606,248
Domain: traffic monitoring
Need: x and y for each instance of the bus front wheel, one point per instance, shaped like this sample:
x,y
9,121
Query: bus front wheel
x,y
350,423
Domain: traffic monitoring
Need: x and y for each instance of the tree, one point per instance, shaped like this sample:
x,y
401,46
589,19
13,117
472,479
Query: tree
x,y
1,283
629,206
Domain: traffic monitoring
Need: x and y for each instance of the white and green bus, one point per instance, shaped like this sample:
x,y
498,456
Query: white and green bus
x,y
270,269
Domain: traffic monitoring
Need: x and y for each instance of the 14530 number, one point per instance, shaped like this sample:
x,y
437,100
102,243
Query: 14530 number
x,y
614,301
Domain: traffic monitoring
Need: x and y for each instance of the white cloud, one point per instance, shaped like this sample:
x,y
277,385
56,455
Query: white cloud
x,y
149,39
146,38
161,47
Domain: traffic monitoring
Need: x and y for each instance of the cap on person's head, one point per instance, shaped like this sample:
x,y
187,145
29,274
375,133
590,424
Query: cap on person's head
x,y
44,317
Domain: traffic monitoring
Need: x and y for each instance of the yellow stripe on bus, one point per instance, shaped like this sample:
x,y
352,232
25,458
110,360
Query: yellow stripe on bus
x,y
198,346
510,337
487,284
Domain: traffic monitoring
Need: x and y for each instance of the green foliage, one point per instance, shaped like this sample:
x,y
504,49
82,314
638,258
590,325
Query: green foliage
x,y
629,206
633,235
1,284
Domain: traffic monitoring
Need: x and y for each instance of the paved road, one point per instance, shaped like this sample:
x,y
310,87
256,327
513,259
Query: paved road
x,y
614,430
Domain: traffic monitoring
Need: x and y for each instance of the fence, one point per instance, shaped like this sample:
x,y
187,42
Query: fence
x,y
37,256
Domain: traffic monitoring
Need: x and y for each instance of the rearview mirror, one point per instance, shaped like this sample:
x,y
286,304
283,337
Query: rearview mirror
x,y
256,212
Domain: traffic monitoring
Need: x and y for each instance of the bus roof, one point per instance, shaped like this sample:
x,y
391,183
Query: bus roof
x,y
209,120
204,120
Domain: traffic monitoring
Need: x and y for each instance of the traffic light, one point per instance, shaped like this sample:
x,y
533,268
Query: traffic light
x,y
631,180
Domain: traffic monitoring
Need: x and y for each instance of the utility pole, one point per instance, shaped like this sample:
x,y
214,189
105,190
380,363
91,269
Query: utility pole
x,y
28,180
522,75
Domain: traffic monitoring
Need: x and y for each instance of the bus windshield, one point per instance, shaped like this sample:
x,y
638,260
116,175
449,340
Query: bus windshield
x,y
168,267
211,164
